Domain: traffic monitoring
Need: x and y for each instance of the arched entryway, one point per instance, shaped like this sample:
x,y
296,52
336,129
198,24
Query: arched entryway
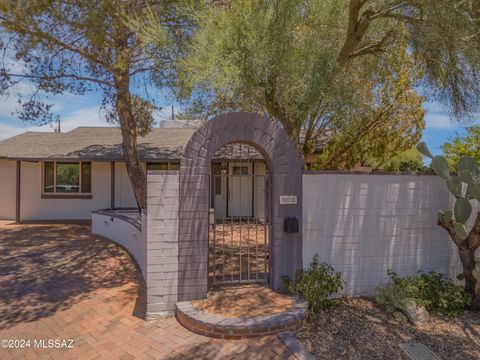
x,y
239,217
285,176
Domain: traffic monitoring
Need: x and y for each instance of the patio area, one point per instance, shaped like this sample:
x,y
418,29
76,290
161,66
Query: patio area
x,y
57,281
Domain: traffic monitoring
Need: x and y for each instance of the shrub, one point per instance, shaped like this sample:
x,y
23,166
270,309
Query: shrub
x,y
432,290
390,297
405,166
315,284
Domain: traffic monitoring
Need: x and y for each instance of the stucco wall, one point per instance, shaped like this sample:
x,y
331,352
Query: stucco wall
x,y
366,224
124,196
7,189
124,233
33,207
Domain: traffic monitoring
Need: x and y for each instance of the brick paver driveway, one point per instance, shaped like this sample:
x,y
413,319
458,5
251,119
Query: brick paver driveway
x,y
60,282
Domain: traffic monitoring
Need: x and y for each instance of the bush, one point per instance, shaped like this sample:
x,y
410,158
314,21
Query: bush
x,y
432,290
315,285
404,166
390,297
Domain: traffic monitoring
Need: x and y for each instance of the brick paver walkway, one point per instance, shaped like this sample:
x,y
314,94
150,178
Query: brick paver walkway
x,y
60,282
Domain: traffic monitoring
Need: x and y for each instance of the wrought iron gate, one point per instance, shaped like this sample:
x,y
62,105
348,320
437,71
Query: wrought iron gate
x,y
239,233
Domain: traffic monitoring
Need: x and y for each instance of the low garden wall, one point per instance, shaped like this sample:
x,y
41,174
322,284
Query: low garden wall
x,y
152,239
365,224
361,224
123,227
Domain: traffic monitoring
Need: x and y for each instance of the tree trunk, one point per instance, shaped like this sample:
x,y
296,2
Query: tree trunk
x,y
467,256
123,103
466,252
357,27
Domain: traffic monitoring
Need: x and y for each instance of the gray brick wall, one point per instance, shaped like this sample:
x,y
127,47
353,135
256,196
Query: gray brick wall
x,y
366,224
285,169
162,242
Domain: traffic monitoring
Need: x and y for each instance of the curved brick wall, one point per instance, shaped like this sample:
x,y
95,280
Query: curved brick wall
x,y
240,328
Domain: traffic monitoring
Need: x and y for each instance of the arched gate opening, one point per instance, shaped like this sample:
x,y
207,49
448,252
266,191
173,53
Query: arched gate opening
x,y
239,218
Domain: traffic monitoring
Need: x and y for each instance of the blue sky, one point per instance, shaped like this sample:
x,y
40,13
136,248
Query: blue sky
x,y
84,111
74,111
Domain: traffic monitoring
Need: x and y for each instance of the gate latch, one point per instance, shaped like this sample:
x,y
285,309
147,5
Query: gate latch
x,y
211,216
290,225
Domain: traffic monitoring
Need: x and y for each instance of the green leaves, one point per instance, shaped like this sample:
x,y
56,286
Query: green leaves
x,y
280,57
432,290
315,284
462,210
440,166
461,146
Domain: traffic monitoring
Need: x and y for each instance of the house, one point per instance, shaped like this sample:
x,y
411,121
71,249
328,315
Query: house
x,y
66,176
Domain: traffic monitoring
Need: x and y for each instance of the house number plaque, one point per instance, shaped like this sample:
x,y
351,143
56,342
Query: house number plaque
x,y
288,200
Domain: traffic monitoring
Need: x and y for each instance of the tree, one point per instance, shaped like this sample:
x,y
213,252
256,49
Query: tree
x,y
465,187
459,146
410,161
80,46
315,65
392,123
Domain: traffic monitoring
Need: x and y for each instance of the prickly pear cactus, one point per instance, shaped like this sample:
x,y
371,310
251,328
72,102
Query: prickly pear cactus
x,y
465,186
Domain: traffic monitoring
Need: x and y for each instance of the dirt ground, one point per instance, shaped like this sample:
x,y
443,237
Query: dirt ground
x,y
359,329
238,252
244,302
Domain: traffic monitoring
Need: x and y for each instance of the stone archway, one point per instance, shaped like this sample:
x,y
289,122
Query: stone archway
x,y
285,167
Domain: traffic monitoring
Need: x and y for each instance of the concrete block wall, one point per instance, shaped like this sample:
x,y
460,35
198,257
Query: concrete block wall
x,y
162,242
366,224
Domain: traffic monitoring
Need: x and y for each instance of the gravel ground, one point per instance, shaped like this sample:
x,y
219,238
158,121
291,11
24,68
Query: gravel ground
x,y
359,329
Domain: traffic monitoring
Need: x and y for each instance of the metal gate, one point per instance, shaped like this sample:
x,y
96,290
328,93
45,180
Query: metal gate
x,y
239,233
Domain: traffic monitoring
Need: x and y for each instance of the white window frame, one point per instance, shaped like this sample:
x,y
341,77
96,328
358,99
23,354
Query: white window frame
x,y
73,194
169,164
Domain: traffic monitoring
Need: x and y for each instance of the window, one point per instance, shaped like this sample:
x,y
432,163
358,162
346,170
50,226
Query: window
x,y
240,170
217,175
67,177
172,165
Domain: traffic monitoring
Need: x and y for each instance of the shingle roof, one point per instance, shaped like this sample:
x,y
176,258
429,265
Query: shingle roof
x,y
237,151
94,143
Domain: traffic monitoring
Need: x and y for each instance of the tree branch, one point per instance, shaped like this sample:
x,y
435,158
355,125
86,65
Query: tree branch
x,y
373,48
37,33
358,24
67,76
361,134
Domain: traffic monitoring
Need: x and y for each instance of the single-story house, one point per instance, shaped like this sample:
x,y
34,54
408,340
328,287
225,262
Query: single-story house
x,y
66,176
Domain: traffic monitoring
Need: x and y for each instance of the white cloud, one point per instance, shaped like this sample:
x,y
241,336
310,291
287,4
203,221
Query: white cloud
x,y
83,117
90,116
8,106
7,131
440,121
